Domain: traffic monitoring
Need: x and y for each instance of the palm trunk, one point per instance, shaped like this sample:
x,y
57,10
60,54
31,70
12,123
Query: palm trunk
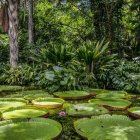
x,y
30,22
13,31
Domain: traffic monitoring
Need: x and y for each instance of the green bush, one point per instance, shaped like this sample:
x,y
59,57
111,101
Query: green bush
x,y
4,48
22,75
125,75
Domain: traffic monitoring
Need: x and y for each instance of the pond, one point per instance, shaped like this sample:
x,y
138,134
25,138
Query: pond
x,y
62,115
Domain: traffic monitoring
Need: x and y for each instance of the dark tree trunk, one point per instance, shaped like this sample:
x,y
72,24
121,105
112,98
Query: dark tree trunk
x,y
13,31
30,22
4,21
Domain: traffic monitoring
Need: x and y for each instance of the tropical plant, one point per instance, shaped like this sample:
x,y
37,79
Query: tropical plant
x,y
54,55
22,75
107,127
125,76
62,78
4,48
37,128
91,52
97,58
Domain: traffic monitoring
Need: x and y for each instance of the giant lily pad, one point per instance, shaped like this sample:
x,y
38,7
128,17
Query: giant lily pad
x,y
98,91
6,103
34,129
107,127
24,112
72,94
48,102
134,112
114,94
10,88
85,109
112,104
30,94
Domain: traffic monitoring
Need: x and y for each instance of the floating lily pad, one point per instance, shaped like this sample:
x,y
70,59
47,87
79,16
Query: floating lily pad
x,y
24,112
48,102
98,91
85,109
6,103
134,112
107,127
112,104
10,88
114,94
33,129
73,94
30,94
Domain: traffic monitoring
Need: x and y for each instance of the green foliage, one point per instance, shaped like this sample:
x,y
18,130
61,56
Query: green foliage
x,y
57,78
22,75
97,59
126,76
4,48
68,54
54,55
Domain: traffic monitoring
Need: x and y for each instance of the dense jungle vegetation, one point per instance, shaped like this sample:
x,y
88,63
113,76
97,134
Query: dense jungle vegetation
x,y
70,44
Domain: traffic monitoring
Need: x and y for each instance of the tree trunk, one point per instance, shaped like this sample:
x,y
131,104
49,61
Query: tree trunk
x,y
30,22
13,31
4,21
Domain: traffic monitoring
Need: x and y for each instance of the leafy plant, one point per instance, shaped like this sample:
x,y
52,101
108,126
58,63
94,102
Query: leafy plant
x,y
125,76
96,58
4,45
22,75
54,55
59,78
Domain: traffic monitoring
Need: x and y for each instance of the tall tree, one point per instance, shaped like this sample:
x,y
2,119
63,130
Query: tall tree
x,y
30,21
4,17
13,31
